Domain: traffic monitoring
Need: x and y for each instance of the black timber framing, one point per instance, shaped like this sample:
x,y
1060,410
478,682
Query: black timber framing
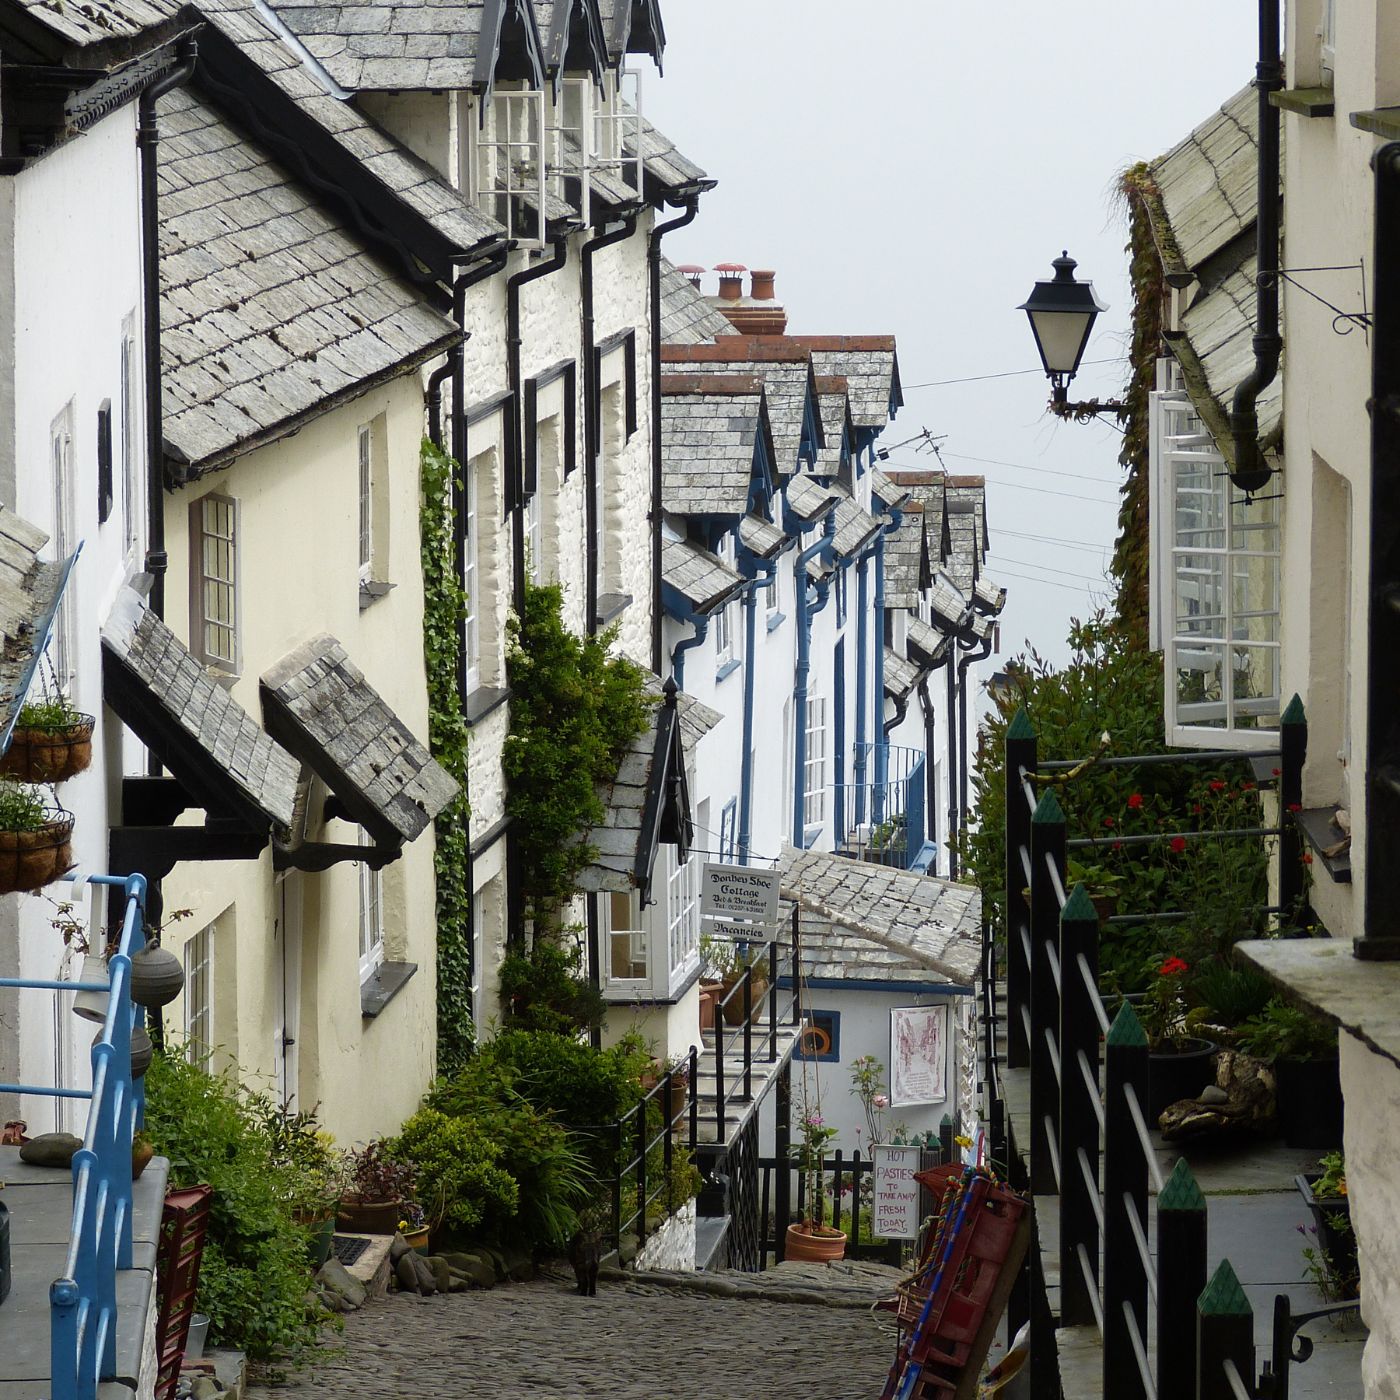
x,y
666,814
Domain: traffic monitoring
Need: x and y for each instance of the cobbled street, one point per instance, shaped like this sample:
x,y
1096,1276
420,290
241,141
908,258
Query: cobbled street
x,y
634,1341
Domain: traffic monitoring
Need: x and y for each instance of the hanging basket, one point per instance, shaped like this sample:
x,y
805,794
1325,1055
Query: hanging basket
x,y
49,755
29,860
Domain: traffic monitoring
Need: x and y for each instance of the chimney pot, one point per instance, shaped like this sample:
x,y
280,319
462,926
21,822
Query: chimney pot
x,y
763,284
731,280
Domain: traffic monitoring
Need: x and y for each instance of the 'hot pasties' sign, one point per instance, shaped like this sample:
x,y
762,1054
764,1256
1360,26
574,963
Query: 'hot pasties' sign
x,y
896,1192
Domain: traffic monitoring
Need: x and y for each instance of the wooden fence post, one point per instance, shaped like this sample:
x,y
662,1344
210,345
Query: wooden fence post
x,y
1181,1277
1047,847
1224,1332
1124,1203
1020,754
1079,1122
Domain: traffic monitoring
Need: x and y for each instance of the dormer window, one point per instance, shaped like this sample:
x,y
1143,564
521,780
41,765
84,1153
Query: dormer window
x,y
507,173
596,141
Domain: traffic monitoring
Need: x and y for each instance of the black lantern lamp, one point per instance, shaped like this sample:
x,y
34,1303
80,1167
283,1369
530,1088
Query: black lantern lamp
x,y
1062,313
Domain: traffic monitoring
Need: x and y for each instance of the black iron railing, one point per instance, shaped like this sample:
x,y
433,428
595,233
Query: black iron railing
x,y
1090,1148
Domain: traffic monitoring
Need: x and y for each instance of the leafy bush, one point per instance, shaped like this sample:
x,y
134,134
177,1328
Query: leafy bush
x,y
1284,1031
545,990
1231,995
458,1164
254,1277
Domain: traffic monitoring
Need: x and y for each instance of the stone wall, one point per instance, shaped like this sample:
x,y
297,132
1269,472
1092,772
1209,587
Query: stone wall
x,y
673,1245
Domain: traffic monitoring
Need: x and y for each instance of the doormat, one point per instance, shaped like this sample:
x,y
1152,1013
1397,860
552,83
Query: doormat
x,y
348,1248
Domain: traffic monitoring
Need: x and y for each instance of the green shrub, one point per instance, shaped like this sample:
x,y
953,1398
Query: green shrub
x,y
460,1179
1282,1030
254,1277
1231,995
545,990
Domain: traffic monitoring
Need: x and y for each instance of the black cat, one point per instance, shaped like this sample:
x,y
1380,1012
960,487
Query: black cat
x,y
585,1249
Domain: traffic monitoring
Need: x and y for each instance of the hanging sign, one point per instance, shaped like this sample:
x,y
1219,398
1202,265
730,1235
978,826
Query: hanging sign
x,y
739,892
918,1051
896,1192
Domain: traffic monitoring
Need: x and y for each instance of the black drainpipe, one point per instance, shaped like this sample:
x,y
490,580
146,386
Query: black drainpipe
x,y
1251,473
951,745
147,141
433,396
591,407
659,231
981,654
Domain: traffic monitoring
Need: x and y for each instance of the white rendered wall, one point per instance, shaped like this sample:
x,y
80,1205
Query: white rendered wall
x,y
63,299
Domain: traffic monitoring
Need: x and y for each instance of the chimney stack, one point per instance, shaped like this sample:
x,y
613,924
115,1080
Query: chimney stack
x,y
731,280
756,314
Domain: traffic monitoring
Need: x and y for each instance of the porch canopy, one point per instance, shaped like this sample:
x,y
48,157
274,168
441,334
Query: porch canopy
x,y
901,675
862,922
216,754
318,704
649,800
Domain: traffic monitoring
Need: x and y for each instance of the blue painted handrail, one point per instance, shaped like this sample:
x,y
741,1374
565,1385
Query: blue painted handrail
x,y
83,1303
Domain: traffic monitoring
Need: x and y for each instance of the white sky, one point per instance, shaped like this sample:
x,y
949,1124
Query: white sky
x,y
912,166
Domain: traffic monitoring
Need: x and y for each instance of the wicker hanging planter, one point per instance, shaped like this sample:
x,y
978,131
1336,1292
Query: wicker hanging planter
x,y
29,860
50,754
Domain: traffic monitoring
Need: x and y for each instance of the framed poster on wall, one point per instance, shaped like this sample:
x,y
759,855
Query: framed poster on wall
x,y
918,1055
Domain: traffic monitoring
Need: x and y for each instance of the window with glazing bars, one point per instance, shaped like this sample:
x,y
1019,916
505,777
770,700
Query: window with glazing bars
x,y
728,825
366,463
814,764
682,909
216,583
63,543
371,916
199,996
509,168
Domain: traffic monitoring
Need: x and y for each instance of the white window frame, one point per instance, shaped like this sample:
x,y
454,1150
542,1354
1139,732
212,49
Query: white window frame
x,y
471,562
203,581
371,921
63,649
507,159
617,117
574,116
199,956
814,764
639,937
133,481
724,615
364,441
1185,459
682,913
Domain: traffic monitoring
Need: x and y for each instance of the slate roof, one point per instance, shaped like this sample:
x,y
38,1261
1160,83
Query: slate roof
x,y
808,499
990,596
914,921
617,838
786,372
687,317
838,428
711,426
701,578
901,675
320,706
633,26
931,644
870,367
270,309
889,491
966,506
1202,214
947,603
664,164
760,536
98,21
558,21
181,709
855,526
401,172
905,559
30,589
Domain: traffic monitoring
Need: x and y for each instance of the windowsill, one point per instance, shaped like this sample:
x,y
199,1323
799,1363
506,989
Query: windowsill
x,y
632,996
1305,102
776,620
1321,834
220,677
610,606
1382,121
727,669
371,591
481,702
383,985
1360,996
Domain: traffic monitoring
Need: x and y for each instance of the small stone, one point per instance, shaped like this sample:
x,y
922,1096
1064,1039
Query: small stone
x,y
398,1247
50,1150
427,1279
335,1278
1212,1093
442,1272
477,1270
407,1273
205,1388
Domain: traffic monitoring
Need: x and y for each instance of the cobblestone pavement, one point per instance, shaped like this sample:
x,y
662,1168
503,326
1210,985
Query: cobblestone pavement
x,y
634,1341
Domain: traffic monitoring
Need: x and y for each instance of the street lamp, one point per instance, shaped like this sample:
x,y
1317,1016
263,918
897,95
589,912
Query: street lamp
x,y
1062,313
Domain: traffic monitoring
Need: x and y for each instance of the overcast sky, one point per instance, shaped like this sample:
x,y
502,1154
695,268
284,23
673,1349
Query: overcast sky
x,y
912,166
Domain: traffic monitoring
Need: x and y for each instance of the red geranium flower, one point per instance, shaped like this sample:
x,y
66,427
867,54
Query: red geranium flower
x,y
1117,845
1247,787
1108,821
1178,844
1135,801
1295,806
1277,772
1173,966
1216,785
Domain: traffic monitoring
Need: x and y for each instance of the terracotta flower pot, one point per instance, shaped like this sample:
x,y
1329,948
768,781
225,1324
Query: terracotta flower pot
x,y
680,1101
29,860
141,1154
734,1007
49,755
814,1244
710,993
417,1239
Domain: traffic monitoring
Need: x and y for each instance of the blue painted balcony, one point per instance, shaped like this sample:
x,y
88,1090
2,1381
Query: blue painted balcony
x,y
883,815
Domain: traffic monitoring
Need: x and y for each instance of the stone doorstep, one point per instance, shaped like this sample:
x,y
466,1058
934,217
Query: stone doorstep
x,y
231,1370
372,1268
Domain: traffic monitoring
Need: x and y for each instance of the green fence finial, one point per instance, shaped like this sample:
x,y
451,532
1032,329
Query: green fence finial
x,y
1020,726
1079,908
1181,1191
1126,1029
1049,811
1223,1296
1294,714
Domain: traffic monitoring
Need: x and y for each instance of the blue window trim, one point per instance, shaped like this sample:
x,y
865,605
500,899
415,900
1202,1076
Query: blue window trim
x,y
776,620
728,669
830,1021
728,830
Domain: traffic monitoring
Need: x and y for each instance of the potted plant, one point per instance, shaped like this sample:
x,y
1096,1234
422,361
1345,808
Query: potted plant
x,y
813,1241
1325,1193
414,1227
714,957
868,1081
376,1188
1102,885
748,957
1307,1072
678,1067
36,840
1180,1064
311,1170
51,742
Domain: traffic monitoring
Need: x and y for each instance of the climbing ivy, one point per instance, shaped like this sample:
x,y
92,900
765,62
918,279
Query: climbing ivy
x,y
573,711
1130,553
444,607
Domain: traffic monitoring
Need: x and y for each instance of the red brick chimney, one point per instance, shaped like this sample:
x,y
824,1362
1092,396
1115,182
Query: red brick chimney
x,y
757,314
